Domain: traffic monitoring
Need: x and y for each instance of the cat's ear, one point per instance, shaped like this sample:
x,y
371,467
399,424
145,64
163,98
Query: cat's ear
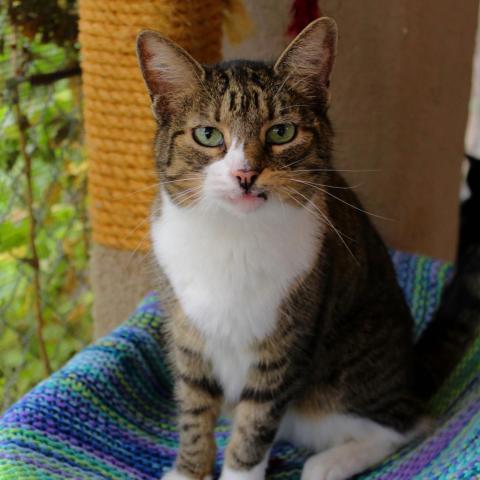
x,y
308,61
170,73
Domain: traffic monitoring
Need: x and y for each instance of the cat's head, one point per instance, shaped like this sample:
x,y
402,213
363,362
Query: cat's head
x,y
241,134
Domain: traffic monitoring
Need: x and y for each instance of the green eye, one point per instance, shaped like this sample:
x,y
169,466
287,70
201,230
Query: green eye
x,y
281,133
208,136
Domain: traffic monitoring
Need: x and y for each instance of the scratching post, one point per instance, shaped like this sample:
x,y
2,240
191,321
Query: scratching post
x,y
119,132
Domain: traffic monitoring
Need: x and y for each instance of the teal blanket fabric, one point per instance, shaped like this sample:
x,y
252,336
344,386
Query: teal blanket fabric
x,y
109,413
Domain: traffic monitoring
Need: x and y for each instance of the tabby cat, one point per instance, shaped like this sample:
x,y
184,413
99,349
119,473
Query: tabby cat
x,y
282,299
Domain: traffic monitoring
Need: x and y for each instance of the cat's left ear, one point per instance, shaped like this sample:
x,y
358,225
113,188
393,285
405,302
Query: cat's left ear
x,y
170,73
308,61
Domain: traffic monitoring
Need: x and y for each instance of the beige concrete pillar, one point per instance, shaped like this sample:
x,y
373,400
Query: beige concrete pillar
x,y
400,99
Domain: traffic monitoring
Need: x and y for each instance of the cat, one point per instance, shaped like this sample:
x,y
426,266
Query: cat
x,y
283,306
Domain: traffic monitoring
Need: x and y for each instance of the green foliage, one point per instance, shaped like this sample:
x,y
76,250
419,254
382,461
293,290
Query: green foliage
x,y
51,123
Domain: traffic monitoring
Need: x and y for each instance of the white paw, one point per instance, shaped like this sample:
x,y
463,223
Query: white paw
x,y
256,473
174,474
324,467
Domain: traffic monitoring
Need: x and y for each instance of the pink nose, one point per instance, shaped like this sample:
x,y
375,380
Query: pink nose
x,y
246,178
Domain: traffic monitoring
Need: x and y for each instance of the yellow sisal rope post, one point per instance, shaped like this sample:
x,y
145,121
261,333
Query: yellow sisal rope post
x,y
118,120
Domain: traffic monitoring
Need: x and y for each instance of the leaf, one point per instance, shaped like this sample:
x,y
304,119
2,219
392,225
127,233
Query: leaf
x,y
12,358
13,235
53,332
9,153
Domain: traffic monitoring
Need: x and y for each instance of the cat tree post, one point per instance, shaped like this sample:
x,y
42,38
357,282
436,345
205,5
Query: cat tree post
x,y
119,133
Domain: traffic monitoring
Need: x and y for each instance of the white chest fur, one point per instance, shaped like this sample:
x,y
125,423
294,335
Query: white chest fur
x,y
231,273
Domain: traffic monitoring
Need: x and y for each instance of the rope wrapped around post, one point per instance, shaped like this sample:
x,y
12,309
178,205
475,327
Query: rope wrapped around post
x,y
118,121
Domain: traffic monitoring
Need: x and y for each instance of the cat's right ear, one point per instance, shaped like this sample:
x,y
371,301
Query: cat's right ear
x,y
170,73
308,61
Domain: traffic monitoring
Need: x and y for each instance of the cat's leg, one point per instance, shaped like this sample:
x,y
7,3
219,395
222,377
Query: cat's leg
x,y
254,430
199,400
257,417
268,389
198,411
356,454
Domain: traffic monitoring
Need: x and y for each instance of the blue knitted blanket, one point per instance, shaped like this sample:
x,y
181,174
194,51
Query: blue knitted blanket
x,y
109,413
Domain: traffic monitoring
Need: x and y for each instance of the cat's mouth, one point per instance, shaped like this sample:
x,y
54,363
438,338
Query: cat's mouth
x,y
248,201
262,195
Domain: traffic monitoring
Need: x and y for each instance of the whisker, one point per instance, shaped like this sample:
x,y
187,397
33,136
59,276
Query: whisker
x,y
205,205
195,186
347,203
185,199
158,184
292,163
279,89
204,87
292,87
136,249
319,211
326,219
301,204
293,106
336,170
186,192
299,82
139,225
313,184
183,179
139,244
149,187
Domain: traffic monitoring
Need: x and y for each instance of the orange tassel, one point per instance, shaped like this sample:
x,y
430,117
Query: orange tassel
x,y
237,23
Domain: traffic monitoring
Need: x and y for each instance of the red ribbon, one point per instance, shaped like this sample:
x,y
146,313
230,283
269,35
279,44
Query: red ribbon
x,y
303,12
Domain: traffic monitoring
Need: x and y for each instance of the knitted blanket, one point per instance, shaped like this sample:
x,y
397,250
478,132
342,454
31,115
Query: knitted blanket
x,y
109,414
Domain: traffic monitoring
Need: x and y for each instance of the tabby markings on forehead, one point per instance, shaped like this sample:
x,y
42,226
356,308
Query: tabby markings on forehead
x,y
232,101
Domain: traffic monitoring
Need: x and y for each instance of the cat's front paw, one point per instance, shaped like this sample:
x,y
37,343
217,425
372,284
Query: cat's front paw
x,y
321,467
174,474
256,473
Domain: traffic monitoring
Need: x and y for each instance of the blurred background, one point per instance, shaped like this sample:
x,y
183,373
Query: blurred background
x,y
401,90
44,230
